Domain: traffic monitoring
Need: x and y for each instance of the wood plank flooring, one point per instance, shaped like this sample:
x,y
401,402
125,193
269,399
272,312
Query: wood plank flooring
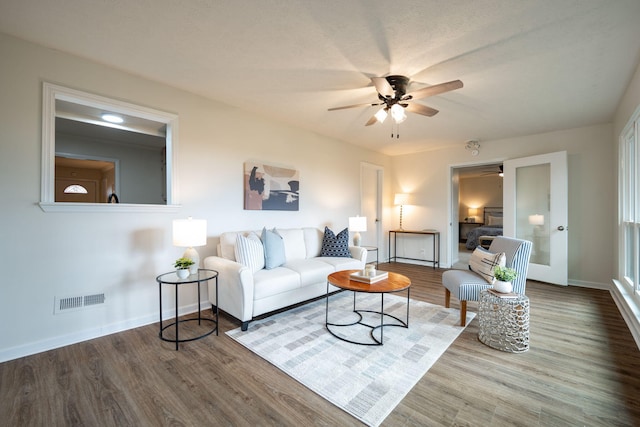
x,y
583,369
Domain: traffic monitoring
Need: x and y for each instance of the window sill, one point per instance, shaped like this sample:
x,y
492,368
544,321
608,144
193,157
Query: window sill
x,y
106,207
628,307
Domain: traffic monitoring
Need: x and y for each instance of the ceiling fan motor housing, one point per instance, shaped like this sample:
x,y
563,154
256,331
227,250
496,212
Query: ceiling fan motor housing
x,y
399,85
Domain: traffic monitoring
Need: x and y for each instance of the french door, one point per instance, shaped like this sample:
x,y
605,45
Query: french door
x,y
535,209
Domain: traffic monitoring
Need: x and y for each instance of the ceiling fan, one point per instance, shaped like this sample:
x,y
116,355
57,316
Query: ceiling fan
x,y
497,170
394,99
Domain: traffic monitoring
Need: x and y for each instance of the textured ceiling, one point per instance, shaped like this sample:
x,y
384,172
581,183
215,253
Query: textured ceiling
x,y
528,66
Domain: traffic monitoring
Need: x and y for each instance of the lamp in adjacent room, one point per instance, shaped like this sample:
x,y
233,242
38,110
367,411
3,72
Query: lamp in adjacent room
x,y
536,219
357,224
400,200
188,233
472,214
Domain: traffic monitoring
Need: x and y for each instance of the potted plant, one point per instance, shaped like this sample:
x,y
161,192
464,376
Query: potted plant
x,y
182,267
504,276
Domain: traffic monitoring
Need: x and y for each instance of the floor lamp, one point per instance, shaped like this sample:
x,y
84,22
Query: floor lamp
x,y
399,200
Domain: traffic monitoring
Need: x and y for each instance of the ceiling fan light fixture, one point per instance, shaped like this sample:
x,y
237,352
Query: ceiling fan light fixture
x,y
381,115
398,114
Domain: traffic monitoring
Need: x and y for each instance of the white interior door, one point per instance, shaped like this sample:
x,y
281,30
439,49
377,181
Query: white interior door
x,y
371,178
535,209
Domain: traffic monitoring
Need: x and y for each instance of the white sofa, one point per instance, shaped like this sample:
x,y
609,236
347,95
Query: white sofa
x,y
246,294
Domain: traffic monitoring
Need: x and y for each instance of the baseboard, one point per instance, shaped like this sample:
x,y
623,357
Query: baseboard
x,y
629,309
585,284
76,337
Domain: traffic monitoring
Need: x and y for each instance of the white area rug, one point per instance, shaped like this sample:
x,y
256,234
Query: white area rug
x,y
365,381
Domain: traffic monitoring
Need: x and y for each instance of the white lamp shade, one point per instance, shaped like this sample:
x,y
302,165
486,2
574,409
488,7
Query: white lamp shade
x,y
536,219
398,114
189,232
381,115
358,223
401,199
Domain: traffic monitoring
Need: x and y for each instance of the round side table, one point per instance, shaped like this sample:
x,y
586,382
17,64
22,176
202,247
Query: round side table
x,y
202,276
504,322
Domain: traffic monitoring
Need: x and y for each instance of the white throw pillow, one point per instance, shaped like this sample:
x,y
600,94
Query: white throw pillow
x,y
249,251
483,263
494,220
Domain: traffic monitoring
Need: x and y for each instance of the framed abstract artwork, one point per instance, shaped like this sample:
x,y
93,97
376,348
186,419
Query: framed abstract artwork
x,y
270,187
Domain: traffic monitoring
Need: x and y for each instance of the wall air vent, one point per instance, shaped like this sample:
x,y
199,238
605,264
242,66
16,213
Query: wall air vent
x,y
66,304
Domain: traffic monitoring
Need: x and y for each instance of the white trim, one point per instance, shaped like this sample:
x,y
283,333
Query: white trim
x,y
65,340
628,308
590,285
51,92
106,207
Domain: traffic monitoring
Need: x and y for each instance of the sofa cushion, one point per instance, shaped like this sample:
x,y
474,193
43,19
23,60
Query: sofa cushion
x,y
311,271
226,248
483,263
275,281
335,245
342,263
313,241
294,247
249,251
274,255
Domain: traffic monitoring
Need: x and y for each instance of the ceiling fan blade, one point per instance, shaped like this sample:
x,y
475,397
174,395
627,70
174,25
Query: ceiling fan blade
x,y
383,87
354,106
435,90
371,121
421,109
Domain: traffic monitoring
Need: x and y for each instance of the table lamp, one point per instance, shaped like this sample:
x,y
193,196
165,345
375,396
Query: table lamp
x,y
472,214
399,200
357,224
188,233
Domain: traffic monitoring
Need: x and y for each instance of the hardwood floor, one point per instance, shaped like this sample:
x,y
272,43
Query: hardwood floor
x,y
583,368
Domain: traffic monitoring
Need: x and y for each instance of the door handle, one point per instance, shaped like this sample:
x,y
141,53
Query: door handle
x,y
560,228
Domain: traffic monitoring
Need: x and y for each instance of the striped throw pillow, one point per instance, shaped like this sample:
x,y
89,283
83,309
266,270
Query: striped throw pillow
x,y
250,252
483,263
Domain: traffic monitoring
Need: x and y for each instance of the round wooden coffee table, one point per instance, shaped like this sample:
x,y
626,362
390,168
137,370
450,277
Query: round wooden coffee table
x,y
394,283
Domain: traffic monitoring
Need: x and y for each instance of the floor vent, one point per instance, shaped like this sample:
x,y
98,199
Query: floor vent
x,y
66,304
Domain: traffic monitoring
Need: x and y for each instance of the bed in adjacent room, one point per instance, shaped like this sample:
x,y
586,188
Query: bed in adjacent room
x,y
492,227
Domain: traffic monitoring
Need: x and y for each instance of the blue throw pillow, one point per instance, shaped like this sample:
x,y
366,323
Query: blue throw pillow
x,y
336,246
273,249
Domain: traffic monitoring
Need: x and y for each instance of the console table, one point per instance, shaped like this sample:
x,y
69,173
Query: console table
x,y
436,245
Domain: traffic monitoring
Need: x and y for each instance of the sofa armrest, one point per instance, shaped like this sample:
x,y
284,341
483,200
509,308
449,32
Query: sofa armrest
x,y
359,253
235,287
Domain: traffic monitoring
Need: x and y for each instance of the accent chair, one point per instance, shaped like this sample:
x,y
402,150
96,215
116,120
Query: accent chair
x,y
466,284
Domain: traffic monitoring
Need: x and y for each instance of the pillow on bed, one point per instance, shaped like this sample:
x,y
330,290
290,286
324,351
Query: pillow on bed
x,y
483,262
494,220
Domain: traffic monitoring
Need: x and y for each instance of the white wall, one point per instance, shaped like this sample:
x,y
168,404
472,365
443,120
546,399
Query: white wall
x,y
45,255
591,192
479,192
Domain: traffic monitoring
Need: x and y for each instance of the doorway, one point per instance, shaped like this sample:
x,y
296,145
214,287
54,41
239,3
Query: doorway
x,y
371,180
475,190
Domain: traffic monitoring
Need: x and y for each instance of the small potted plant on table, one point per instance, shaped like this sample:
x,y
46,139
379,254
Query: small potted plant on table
x,y
504,276
182,267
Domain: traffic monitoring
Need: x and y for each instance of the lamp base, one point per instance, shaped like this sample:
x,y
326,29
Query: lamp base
x,y
193,255
356,239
